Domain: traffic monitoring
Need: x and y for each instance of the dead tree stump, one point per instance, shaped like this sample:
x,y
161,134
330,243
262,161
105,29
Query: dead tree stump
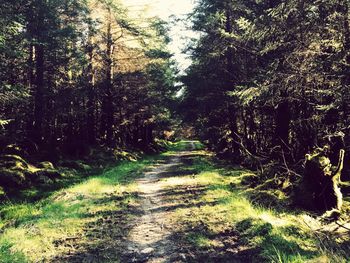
x,y
319,189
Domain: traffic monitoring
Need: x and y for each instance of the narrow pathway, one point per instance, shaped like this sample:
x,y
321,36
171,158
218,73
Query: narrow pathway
x,y
149,240
175,214
185,208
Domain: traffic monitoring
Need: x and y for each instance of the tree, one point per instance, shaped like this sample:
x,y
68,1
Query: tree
x,y
269,77
69,78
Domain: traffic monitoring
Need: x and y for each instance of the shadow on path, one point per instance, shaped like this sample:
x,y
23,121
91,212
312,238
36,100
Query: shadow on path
x,y
145,231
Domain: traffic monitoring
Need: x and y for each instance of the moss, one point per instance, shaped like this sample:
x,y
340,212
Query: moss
x,y
13,162
13,149
212,214
77,165
46,165
177,146
269,184
13,170
2,192
10,157
16,172
125,156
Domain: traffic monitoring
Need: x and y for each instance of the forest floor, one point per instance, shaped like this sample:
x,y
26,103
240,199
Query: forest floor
x,y
179,206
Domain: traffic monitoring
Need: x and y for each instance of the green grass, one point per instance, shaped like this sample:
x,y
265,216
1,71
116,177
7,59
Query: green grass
x,y
31,225
198,145
183,145
29,228
178,146
279,237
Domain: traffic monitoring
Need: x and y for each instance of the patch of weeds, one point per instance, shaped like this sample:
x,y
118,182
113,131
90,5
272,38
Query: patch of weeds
x,y
262,229
61,210
178,146
281,257
273,244
184,145
16,214
37,192
296,231
268,198
279,249
9,255
198,145
199,240
201,164
252,228
249,179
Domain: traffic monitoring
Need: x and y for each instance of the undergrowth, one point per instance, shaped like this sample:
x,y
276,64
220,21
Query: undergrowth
x,y
269,234
220,214
29,228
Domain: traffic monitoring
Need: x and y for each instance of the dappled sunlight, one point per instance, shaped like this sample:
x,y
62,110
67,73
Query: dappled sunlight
x,y
92,187
280,221
178,181
216,194
209,177
189,154
26,242
221,208
38,230
183,202
174,131
202,241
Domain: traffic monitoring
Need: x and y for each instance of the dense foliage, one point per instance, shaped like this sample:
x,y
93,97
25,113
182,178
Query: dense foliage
x,y
77,73
87,86
269,79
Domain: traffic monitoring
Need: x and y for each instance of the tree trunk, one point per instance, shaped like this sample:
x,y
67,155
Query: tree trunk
x,y
232,114
283,118
39,95
107,108
346,78
90,123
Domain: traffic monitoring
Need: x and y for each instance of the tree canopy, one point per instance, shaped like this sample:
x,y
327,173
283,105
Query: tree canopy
x,y
81,72
269,78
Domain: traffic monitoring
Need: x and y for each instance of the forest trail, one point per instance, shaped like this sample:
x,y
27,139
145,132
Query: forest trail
x,y
180,218
167,217
149,240
96,95
171,207
179,206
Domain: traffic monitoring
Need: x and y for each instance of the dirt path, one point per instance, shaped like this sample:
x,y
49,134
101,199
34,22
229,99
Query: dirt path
x,y
149,240
185,208
173,216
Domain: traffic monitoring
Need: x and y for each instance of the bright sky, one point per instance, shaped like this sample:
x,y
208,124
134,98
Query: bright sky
x,y
165,9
